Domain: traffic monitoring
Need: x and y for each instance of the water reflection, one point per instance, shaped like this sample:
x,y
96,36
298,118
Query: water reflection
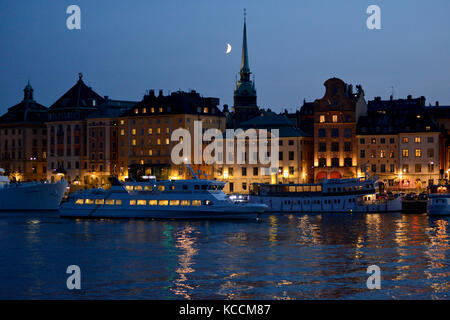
x,y
281,257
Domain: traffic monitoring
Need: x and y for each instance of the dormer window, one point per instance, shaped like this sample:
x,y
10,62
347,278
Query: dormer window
x,y
322,118
205,110
160,109
144,110
136,110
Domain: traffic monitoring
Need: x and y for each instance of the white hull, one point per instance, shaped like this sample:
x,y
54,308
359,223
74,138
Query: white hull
x,y
439,205
341,204
93,211
32,196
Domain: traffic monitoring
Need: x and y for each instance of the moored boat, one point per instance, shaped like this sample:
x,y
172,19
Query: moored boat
x,y
26,196
439,199
336,195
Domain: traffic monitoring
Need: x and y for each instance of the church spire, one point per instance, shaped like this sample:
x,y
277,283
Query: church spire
x,y
245,69
28,92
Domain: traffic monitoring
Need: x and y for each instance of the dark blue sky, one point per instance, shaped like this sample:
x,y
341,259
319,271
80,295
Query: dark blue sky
x,y
127,47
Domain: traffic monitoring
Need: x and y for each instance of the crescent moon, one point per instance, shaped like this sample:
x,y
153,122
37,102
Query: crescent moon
x,y
228,48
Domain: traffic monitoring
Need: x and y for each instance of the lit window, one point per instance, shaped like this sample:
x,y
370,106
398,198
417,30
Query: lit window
x,y
185,202
122,132
118,202
418,152
150,152
174,202
161,188
158,141
99,201
109,201
196,202
148,188
138,188
163,202
150,130
167,130
122,121
383,154
133,142
335,118
167,141
405,140
89,201
144,110
405,153
142,162
322,118
152,202
79,201
417,139
142,202
132,202
158,130
205,110
153,110
136,110
133,132
160,109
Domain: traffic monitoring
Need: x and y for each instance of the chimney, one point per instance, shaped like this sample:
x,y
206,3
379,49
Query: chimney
x,y
409,97
160,93
437,104
152,93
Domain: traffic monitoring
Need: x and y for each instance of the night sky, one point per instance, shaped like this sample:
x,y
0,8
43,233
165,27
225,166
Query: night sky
x,y
127,47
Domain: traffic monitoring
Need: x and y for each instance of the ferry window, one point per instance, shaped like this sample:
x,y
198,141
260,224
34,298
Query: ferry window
x,y
79,201
196,202
160,188
319,188
138,188
174,202
172,187
89,201
299,189
204,187
152,202
132,202
148,188
118,202
307,188
292,189
208,203
313,189
129,188
109,201
142,202
197,187
185,202
163,202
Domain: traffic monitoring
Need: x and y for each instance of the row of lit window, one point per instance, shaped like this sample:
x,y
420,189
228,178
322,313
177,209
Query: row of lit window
x,y
392,140
143,202
158,142
169,109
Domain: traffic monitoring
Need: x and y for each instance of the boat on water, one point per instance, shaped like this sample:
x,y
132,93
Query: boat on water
x,y
334,195
24,196
439,199
169,199
415,203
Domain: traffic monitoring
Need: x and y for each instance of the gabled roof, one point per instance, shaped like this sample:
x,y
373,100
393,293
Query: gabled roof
x,y
112,108
79,96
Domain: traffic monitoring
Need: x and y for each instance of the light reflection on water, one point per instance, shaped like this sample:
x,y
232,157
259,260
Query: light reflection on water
x,y
281,257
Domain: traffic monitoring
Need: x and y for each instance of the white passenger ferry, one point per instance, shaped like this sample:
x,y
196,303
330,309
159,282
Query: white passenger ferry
x,y
439,199
26,196
172,199
335,195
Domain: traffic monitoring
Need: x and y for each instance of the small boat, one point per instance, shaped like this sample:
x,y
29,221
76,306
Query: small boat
x,y
334,195
24,196
439,199
171,199
413,203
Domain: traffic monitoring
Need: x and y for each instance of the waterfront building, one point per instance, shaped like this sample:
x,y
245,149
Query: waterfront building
x,y
400,143
23,139
145,133
295,155
67,152
441,114
335,117
103,140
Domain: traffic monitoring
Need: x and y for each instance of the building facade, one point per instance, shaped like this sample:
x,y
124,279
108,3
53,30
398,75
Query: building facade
x,y
23,140
145,144
335,117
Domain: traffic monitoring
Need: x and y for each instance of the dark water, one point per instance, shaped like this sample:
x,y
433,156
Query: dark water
x,y
281,257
